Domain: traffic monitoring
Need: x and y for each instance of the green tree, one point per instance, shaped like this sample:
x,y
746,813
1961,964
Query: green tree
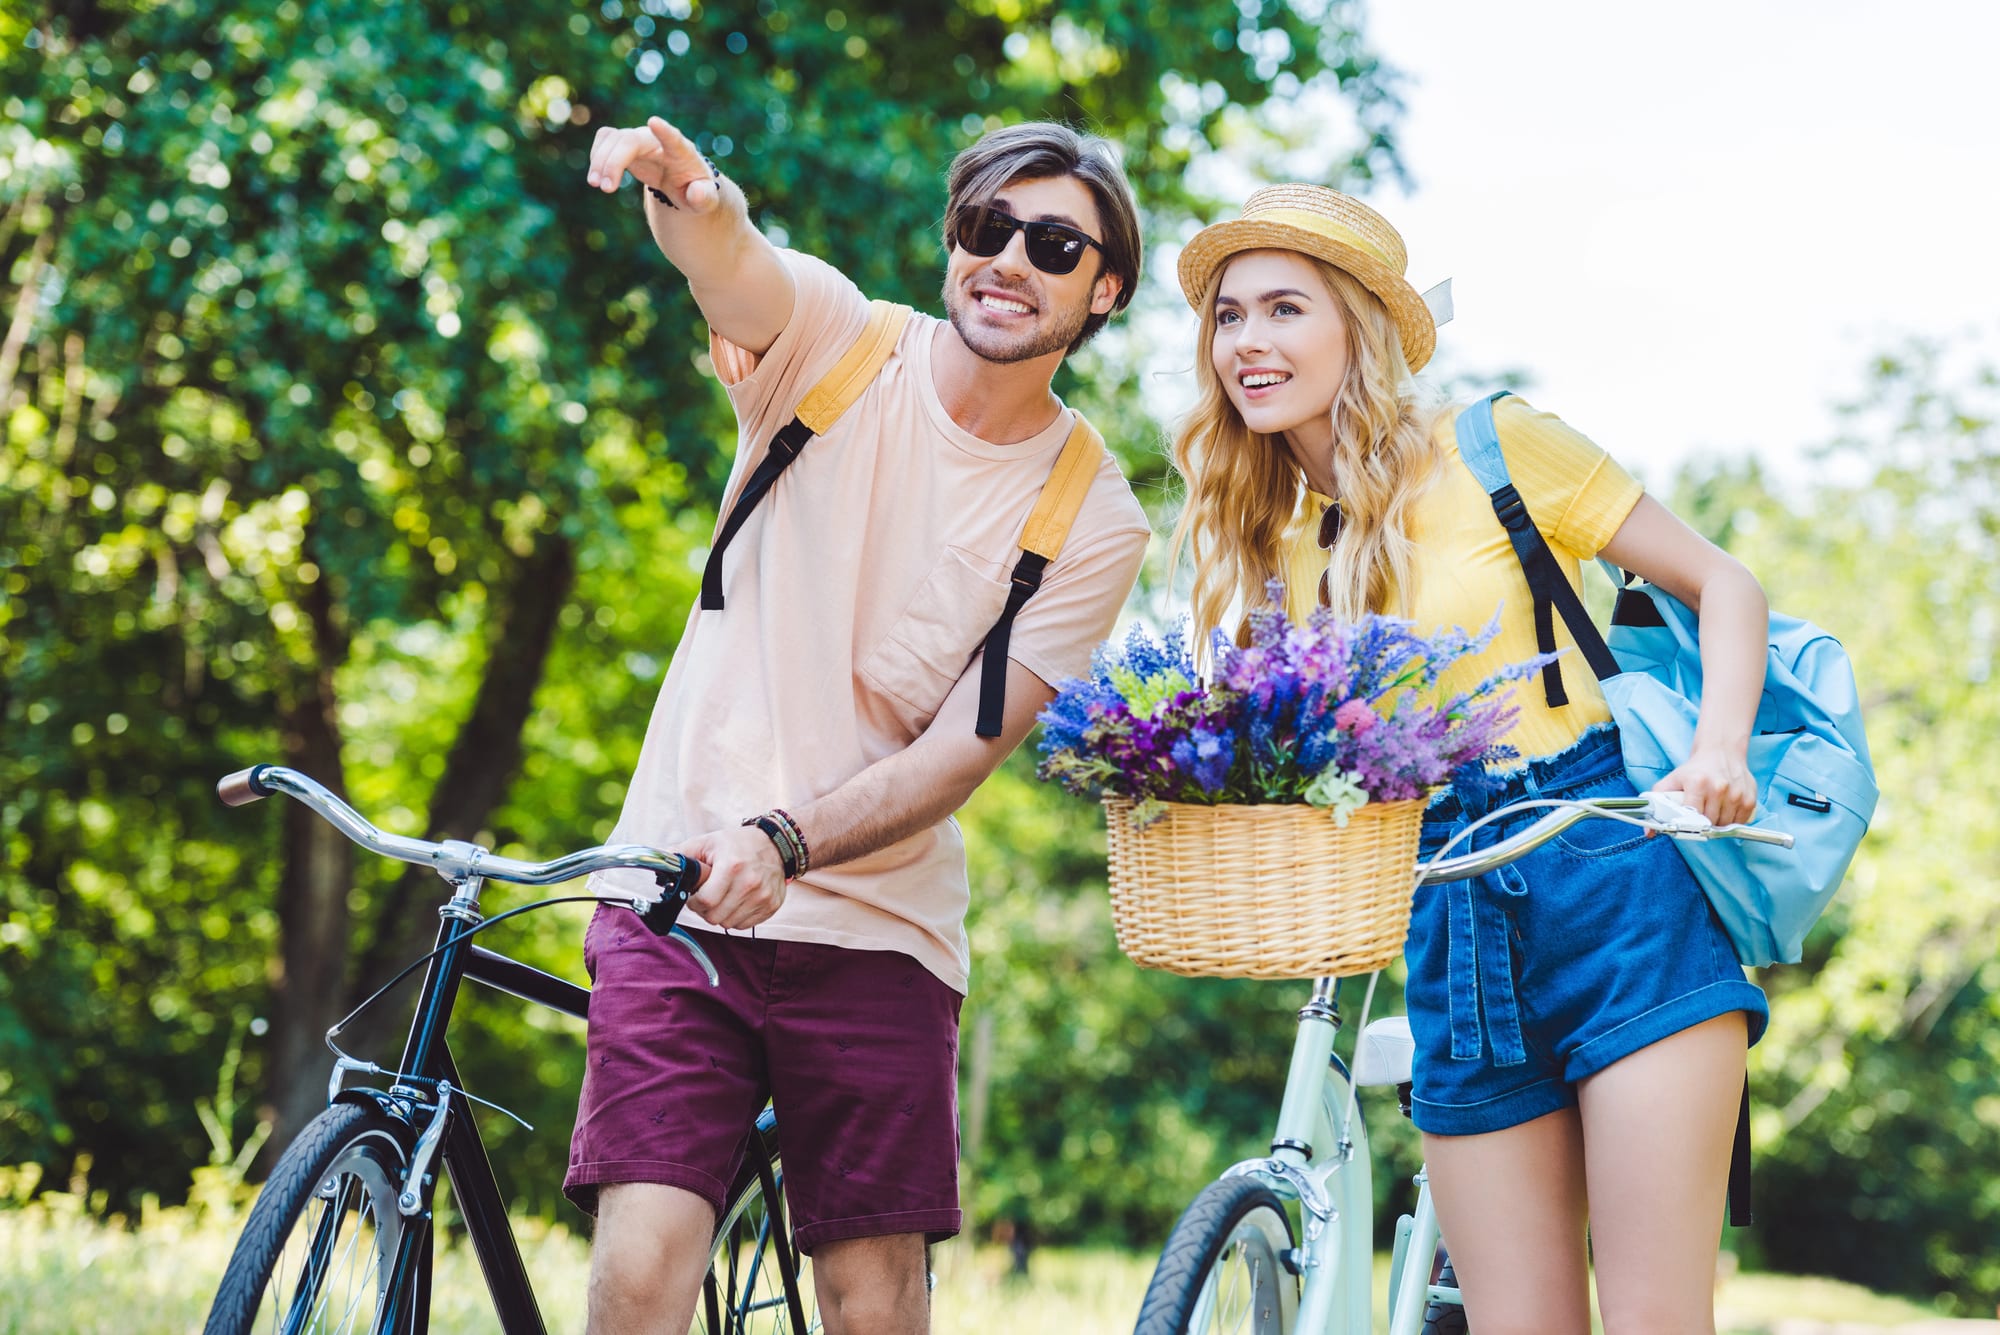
x,y
1877,1099
344,428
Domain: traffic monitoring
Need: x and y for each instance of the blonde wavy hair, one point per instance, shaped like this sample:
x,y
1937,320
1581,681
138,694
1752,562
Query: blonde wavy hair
x,y
1243,487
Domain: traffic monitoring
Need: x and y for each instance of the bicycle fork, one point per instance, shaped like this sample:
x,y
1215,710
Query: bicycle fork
x,y
1319,1157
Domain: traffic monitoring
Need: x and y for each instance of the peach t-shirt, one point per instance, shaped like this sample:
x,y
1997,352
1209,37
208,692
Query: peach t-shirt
x,y
857,594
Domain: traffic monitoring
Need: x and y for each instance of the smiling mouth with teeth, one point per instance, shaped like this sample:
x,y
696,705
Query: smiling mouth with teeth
x,y
1263,378
1005,305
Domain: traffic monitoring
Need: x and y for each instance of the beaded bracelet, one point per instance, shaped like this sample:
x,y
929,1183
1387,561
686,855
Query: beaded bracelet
x,y
798,837
787,838
714,174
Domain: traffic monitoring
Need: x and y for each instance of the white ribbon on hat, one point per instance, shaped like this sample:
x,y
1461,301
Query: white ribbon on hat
x,y
1439,301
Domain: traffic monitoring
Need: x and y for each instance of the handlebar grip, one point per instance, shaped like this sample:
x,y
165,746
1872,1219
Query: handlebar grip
x,y
676,888
244,786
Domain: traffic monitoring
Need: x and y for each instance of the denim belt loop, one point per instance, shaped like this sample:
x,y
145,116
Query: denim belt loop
x,y
1496,979
1462,960
1479,954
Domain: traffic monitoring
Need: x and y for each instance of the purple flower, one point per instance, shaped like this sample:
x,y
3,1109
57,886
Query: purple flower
x,y
1277,712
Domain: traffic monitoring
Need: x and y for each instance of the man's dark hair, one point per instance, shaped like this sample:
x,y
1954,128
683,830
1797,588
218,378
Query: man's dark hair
x,y
1039,150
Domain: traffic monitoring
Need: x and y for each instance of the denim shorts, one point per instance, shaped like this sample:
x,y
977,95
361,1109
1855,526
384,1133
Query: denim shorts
x,y
1527,979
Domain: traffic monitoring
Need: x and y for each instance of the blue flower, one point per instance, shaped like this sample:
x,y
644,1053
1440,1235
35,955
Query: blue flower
x,y
1263,727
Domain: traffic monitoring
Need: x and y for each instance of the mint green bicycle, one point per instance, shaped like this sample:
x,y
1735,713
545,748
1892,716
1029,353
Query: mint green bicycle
x,y
1235,1263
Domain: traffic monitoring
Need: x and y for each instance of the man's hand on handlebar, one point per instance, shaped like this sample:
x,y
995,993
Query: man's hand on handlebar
x,y
745,880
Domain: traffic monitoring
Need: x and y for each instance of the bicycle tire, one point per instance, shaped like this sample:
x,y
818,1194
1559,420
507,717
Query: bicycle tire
x,y
1222,1269
351,1158
1442,1318
744,1291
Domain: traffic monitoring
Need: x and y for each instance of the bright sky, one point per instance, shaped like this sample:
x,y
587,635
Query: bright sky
x,y
1692,224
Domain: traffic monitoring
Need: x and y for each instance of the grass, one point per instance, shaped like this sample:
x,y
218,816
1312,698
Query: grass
x,y
65,1272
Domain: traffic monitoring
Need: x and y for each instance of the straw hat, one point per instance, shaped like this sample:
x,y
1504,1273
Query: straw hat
x,y
1331,226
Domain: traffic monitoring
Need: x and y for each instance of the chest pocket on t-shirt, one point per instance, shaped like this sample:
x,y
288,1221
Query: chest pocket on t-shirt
x,y
927,650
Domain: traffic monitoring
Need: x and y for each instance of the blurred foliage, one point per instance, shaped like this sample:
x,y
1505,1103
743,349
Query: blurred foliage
x,y
1878,1083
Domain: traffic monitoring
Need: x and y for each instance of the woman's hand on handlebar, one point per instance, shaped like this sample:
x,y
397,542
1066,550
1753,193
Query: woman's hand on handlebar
x,y
1716,781
744,880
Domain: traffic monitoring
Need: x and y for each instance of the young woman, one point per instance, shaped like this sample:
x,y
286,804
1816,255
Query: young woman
x,y
1580,1018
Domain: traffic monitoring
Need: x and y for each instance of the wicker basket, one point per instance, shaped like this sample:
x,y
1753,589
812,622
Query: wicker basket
x,y
1276,891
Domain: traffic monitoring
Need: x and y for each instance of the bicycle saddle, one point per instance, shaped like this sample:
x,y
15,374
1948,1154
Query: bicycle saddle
x,y
1383,1057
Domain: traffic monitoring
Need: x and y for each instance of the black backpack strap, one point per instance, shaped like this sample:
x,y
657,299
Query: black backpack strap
x,y
1027,577
1042,539
1739,1166
1479,447
822,406
785,447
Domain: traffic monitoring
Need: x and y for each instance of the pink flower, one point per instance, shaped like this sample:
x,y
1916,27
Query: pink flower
x,y
1356,717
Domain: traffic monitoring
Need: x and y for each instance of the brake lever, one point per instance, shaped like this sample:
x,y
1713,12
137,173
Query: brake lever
x,y
662,915
1676,818
685,939
1681,821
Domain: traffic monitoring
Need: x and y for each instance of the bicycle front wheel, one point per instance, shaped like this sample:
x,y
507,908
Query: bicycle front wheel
x,y
1223,1270
318,1251
757,1282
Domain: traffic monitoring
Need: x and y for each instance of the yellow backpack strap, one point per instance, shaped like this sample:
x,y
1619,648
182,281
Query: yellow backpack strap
x,y
820,409
1042,540
839,388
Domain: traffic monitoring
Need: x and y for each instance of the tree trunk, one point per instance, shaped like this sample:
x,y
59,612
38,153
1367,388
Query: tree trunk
x,y
481,766
313,927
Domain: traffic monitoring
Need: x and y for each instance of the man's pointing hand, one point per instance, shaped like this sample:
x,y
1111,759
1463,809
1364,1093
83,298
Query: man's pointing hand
x,y
659,156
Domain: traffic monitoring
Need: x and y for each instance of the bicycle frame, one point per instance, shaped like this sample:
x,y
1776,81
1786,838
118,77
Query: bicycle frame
x,y
462,1150
441,1131
1319,1158
452,1133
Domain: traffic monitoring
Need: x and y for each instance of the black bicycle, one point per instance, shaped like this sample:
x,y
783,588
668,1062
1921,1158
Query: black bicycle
x,y
341,1236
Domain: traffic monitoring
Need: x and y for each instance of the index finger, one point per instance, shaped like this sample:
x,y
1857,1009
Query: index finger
x,y
684,167
680,149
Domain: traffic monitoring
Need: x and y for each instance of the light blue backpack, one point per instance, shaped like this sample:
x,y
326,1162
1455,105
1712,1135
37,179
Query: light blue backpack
x,y
1814,778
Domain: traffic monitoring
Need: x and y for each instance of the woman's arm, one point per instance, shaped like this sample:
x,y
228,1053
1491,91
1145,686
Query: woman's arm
x,y
1654,544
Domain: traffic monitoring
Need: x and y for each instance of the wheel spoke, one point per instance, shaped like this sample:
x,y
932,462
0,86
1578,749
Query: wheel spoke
x,y
318,1249
1221,1271
745,1292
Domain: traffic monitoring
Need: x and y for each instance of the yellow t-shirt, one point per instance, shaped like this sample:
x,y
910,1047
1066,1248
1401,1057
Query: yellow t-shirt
x,y
1465,568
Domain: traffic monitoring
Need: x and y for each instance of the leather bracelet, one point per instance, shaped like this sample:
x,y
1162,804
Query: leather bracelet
x,y
714,174
790,853
798,838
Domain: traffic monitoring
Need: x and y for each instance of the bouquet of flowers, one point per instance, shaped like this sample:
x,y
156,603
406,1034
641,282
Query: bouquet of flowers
x,y
1223,862
1331,713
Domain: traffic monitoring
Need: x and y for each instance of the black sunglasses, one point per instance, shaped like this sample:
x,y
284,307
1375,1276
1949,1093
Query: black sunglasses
x,y
1329,533
1054,248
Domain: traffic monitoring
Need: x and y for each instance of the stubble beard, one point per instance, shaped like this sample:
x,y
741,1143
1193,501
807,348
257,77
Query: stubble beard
x,y
1002,350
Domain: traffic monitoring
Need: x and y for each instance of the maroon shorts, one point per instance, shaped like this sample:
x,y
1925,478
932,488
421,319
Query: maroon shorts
x,y
857,1051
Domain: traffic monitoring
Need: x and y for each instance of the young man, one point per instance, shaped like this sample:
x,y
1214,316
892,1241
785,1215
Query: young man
x,y
816,731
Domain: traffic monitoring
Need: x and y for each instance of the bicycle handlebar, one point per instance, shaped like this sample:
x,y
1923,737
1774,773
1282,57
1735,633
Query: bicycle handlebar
x,y
454,859
459,862
1658,812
